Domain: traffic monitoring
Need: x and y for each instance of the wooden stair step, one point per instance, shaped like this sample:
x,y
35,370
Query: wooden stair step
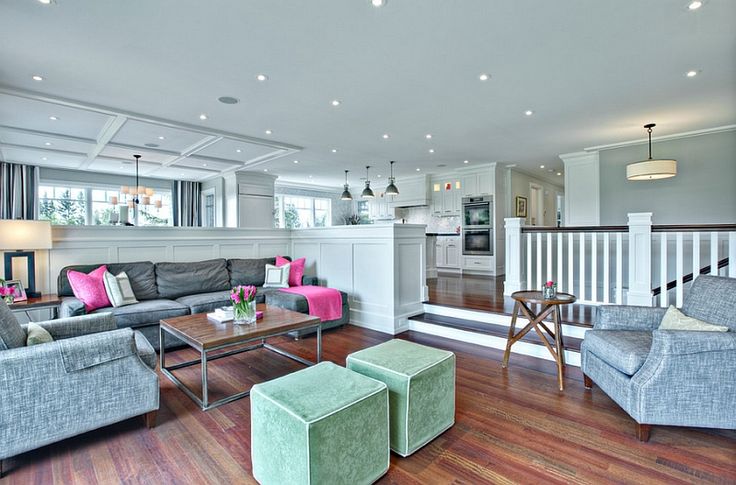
x,y
570,343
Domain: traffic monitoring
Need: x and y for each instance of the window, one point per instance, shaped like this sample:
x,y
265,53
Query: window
x,y
293,212
208,208
67,204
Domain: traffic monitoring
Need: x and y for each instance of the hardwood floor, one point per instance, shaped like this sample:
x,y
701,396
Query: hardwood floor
x,y
512,426
486,294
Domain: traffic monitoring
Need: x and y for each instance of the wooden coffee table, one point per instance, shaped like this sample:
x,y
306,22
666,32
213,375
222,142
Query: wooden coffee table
x,y
211,339
549,306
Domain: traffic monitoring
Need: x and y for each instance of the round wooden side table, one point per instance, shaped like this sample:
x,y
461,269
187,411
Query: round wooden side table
x,y
549,306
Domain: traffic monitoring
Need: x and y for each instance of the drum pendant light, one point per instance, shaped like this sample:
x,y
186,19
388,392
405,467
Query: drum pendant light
x,y
346,195
392,189
367,192
651,169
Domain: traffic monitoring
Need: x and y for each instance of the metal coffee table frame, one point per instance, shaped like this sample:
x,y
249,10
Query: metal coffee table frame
x,y
206,357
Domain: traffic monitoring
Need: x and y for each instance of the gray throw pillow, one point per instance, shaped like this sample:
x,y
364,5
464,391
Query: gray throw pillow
x,y
277,276
118,289
12,335
36,334
674,319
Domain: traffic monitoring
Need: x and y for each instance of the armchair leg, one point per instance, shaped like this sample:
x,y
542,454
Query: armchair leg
x,y
1,468
587,382
150,419
643,431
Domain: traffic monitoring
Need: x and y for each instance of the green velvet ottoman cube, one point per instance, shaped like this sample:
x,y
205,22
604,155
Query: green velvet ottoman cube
x,y
421,386
321,425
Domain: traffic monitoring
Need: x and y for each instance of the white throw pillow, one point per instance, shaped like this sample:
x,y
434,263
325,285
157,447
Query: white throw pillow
x,y
674,319
277,276
118,289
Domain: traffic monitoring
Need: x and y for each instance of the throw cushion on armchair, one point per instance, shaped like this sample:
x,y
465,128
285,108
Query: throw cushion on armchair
x,y
674,319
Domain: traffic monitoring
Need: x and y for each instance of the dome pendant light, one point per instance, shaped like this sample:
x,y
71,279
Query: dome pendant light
x,y
392,189
346,195
367,192
651,169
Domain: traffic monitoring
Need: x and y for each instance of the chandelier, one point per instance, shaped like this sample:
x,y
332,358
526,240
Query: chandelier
x,y
136,194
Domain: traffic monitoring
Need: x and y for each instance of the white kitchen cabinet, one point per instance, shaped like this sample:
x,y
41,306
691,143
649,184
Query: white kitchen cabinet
x,y
475,184
447,250
380,208
446,195
470,185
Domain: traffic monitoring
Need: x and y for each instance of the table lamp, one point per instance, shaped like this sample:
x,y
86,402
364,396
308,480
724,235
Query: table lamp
x,y
20,239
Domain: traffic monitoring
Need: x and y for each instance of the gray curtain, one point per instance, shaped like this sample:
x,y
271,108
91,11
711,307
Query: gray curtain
x,y
187,200
18,191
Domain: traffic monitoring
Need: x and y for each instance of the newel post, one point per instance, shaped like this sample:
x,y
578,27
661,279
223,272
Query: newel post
x,y
512,282
640,259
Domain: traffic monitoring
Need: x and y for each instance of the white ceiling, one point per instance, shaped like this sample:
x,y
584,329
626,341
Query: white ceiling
x,y
592,72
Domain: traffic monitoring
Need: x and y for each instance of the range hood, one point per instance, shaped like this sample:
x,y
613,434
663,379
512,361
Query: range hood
x,y
413,192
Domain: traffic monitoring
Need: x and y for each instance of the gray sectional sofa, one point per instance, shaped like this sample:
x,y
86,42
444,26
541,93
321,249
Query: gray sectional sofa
x,y
167,290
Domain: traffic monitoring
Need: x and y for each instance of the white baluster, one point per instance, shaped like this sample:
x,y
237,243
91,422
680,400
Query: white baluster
x,y
549,256
539,261
664,294
560,280
678,269
714,253
606,270
731,254
593,267
529,260
581,252
619,269
696,255
570,262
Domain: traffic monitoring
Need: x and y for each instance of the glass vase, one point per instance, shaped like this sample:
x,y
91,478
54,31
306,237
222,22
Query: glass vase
x,y
549,292
244,313
9,299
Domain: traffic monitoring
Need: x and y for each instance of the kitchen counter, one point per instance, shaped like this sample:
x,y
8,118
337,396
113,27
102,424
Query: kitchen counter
x,y
442,234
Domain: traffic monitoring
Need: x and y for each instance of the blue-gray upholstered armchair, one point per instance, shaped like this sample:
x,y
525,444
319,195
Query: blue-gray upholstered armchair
x,y
90,376
668,377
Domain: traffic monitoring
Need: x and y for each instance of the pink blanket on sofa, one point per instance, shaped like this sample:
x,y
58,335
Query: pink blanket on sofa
x,y
325,303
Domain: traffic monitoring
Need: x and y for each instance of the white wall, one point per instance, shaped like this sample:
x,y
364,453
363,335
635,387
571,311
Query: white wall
x,y
520,186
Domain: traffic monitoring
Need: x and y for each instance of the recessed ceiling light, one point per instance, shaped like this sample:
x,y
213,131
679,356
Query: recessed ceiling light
x,y
378,3
37,78
335,102
484,76
559,173
48,143
161,137
296,161
419,170
466,161
228,100
528,112
541,166
386,136
310,176
45,2
268,132
261,77
44,158
334,150
152,145
695,5
204,164
265,170
550,170
53,118
691,73
431,150
378,176
238,150
203,116
428,136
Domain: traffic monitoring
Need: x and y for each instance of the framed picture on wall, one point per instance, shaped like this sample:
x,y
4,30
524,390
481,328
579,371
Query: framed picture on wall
x,y
20,292
521,204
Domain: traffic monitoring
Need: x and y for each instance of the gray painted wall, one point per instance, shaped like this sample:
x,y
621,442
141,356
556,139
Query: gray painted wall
x,y
520,186
704,190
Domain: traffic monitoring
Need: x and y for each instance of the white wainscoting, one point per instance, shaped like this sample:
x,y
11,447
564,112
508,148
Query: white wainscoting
x,y
381,267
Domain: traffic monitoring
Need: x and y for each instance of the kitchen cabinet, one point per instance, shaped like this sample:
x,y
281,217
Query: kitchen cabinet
x,y
446,195
413,192
380,208
475,184
447,250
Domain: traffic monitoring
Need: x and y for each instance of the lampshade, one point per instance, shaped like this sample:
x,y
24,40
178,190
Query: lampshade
x,y
114,199
392,189
651,170
146,200
141,190
367,191
346,195
28,235
149,191
158,203
124,189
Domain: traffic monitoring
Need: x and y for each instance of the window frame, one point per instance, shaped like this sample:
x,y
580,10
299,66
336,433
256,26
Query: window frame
x,y
280,206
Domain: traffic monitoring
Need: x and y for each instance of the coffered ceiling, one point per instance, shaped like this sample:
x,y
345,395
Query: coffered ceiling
x,y
118,76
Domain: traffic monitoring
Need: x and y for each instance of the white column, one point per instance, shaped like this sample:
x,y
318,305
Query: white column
x,y
513,255
640,259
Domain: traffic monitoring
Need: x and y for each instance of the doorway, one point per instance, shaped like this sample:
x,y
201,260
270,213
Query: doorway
x,y
536,204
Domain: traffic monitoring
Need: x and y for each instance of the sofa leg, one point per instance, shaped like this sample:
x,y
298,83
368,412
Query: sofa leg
x,y
150,419
643,431
1,468
587,382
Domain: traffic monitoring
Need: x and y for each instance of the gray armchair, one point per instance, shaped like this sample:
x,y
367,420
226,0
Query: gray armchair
x,y
90,376
668,377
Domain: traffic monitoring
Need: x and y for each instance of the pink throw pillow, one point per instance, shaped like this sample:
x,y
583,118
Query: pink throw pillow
x,y
296,273
90,288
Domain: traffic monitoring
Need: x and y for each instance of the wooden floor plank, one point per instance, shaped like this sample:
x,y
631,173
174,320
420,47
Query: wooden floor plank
x,y
512,426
